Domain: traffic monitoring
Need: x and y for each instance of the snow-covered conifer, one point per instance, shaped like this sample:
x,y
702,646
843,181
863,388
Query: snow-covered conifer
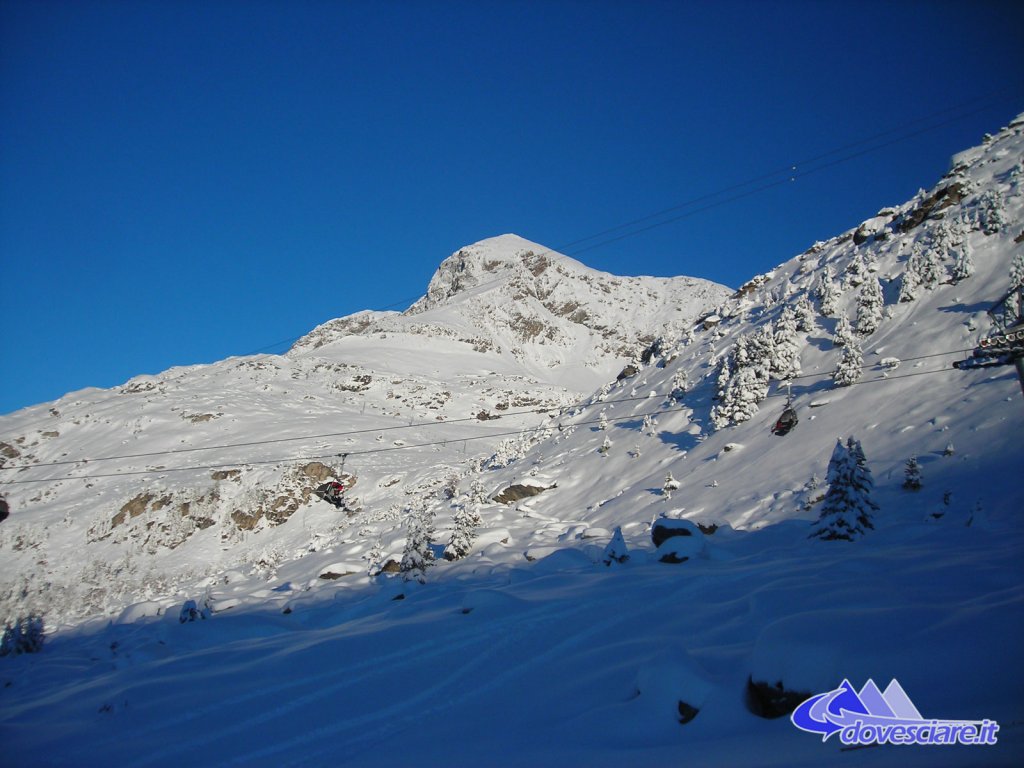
x,y
602,423
25,635
418,555
856,271
465,521
810,495
910,283
723,377
828,293
616,551
785,361
850,364
869,306
912,475
670,485
804,315
679,383
843,333
649,424
847,507
1017,272
991,212
605,447
963,268
926,262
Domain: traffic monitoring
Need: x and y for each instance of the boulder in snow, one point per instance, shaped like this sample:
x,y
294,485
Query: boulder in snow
x,y
665,528
520,491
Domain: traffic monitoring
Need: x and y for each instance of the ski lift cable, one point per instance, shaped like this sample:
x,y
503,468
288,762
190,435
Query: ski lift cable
x,y
788,169
389,449
792,171
251,443
589,403
364,452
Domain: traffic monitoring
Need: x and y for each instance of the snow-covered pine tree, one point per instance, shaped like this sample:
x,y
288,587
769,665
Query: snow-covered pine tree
x,y
26,635
670,485
827,293
846,510
418,555
649,424
843,333
850,363
750,361
758,352
605,446
785,361
862,479
804,315
856,271
963,268
927,263
810,495
991,212
616,551
723,376
869,306
465,522
679,383
912,475
1017,272
910,283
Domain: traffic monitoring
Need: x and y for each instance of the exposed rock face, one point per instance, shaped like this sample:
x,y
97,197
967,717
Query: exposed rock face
x,y
519,492
508,295
942,198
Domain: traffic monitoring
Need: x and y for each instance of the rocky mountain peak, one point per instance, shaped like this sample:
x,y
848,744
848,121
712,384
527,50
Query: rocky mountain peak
x,y
484,264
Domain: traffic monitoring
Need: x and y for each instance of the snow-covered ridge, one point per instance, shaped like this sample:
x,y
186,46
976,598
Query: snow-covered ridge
x,y
558,318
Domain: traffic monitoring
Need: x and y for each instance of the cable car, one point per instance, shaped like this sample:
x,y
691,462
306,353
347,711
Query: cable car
x,y
788,419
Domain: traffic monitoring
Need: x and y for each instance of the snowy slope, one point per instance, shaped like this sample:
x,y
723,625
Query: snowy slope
x,y
532,651
209,469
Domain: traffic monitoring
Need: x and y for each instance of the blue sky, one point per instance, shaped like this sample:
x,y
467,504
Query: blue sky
x,y
181,182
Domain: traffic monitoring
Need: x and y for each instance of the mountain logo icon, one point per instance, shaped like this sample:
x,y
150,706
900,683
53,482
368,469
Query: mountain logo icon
x,y
873,716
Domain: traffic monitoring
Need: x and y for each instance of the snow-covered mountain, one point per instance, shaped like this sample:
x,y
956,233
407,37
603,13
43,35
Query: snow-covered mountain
x,y
623,418
185,474
561,321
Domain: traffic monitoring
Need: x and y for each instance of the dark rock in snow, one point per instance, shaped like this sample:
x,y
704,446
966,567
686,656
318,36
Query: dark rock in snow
x,y
686,712
772,701
520,491
628,372
665,528
942,198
